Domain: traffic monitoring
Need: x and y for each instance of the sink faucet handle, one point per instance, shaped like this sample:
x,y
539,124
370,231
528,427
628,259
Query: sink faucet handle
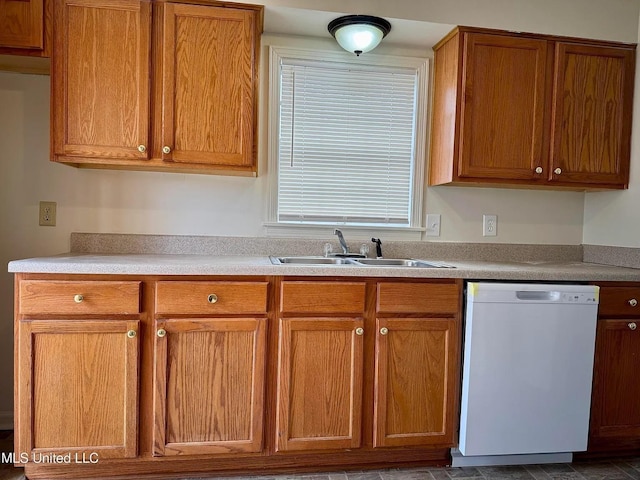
x,y
378,243
328,248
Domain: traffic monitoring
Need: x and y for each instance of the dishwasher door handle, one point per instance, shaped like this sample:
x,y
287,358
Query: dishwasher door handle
x,y
537,295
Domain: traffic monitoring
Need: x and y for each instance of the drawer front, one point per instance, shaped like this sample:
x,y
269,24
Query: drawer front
x,y
211,298
623,301
322,297
79,297
397,297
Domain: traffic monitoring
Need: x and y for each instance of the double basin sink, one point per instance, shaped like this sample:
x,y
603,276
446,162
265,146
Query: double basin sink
x,y
359,262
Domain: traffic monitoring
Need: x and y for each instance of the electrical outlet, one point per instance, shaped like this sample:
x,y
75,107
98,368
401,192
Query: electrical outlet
x,y
433,225
489,225
48,214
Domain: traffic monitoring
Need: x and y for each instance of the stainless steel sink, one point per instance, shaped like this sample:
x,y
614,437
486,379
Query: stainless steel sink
x,y
309,261
361,262
400,262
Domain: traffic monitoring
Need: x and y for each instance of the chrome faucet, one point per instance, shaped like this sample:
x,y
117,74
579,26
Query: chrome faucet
x,y
343,244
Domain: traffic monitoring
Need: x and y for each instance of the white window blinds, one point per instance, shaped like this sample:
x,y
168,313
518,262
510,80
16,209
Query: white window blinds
x,y
346,143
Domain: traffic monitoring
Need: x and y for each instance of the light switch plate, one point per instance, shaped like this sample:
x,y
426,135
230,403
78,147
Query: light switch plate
x,y
433,225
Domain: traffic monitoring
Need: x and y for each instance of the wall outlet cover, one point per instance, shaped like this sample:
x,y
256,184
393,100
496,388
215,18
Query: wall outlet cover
x,y
489,225
47,214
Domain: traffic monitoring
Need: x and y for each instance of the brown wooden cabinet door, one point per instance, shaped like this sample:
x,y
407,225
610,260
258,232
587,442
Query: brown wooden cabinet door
x,y
78,387
416,375
593,101
503,92
319,392
209,386
208,83
615,409
22,24
100,80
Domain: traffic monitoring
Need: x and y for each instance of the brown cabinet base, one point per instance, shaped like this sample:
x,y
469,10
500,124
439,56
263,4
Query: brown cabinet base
x,y
213,355
236,465
615,413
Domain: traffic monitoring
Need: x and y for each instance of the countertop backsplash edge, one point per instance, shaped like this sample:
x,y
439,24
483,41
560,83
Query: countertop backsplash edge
x,y
136,244
613,256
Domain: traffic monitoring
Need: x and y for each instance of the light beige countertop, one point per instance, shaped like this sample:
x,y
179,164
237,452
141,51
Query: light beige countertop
x,y
185,264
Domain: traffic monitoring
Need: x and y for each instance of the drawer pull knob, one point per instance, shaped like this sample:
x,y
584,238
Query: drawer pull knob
x,y
131,333
142,148
161,332
557,171
213,298
633,302
166,150
539,170
632,325
359,331
78,298
384,331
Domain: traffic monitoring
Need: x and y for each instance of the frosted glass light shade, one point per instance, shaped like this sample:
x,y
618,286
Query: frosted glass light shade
x,y
359,33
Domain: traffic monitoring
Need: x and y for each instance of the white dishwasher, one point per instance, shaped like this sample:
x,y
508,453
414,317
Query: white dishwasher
x,y
527,371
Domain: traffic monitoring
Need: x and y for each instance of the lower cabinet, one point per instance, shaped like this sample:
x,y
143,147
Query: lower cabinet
x,y
615,409
417,364
218,375
209,384
78,388
209,367
319,383
415,381
77,347
320,365
323,368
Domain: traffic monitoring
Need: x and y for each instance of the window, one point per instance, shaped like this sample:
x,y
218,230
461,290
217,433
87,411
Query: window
x,y
348,140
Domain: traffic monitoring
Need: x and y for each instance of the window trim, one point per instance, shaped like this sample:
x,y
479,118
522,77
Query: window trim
x,y
416,227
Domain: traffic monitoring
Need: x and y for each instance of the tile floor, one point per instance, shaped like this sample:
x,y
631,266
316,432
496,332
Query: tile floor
x,y
623,469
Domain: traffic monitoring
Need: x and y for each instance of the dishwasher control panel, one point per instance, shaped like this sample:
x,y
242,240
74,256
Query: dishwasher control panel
x,y
578,298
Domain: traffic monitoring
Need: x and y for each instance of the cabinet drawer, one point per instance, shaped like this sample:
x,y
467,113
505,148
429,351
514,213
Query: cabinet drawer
x,y
397,297
71,297
623,301
177,298
322,297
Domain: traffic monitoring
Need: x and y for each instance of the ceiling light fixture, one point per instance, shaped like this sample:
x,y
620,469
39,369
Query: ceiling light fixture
x,y
359,33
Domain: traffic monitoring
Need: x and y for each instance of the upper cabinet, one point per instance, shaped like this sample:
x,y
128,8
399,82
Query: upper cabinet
x,y
167,86
592,104
100,81
25,27
208,86
531,110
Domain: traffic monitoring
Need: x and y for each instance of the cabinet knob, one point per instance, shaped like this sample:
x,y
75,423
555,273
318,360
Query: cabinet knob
x,y
213,298
78,298
633,302
359,331
539,170
632,325
384,331
142,148
161,332
131,333
557,171
166,149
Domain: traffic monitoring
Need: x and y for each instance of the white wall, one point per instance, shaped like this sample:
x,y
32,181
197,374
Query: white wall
x,y
143,202
601,19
